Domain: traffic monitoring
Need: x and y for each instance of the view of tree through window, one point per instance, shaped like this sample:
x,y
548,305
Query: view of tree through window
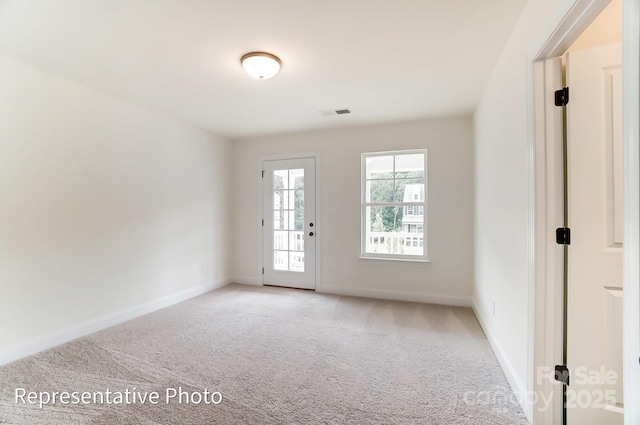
x,y
394,204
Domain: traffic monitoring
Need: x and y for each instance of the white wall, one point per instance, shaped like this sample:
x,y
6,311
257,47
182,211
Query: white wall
x,y
103,206
605,29
502,202
448,278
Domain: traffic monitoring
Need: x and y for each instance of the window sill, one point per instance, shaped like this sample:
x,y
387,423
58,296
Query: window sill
x,y
399,260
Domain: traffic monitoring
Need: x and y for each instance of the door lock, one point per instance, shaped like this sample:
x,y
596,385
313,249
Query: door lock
x,y
310,233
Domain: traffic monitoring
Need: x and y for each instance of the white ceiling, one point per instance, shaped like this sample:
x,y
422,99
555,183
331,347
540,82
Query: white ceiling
x,y
387,60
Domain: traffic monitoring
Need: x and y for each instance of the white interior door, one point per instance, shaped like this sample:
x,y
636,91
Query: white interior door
x,y
290,228
594,324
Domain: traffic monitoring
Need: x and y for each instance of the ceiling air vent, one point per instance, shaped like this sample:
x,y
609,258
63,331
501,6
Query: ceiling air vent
x,y
333,112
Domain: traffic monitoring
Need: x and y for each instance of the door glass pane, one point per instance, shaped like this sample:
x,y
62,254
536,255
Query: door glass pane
x,y
296,261
296,179
288,220
298,217
296,241
298,199
280,260
280,240
280,199
281,179
280,220
292,219
292,198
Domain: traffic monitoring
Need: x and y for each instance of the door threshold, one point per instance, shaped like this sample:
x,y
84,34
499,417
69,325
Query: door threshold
x,y
289,287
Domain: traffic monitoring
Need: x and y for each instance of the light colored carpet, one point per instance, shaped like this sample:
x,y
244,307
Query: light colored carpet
x,y
277,356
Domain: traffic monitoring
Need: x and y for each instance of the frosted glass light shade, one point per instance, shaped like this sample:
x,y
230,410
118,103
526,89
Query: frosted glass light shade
x,y
261,65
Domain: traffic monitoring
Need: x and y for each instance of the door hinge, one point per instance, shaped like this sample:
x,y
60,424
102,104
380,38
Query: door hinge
x,y
262,173
263,221
562,374
563,236
562,97
263,270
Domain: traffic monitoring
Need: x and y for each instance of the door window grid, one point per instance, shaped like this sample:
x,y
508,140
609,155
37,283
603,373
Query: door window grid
x,y
288,234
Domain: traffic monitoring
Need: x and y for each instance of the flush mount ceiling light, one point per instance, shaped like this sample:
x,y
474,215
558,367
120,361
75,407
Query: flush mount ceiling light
x,y
260,65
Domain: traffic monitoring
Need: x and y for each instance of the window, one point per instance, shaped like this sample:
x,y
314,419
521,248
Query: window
x,y
393,205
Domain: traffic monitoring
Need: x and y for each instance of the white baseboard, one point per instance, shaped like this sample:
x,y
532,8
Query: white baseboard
x,y
515,382
255,281
395,295
34,346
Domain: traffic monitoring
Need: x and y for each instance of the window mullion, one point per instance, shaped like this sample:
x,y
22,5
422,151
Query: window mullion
x,y
393,174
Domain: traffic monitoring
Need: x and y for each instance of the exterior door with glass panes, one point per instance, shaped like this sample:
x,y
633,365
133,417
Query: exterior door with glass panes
x,y
289,229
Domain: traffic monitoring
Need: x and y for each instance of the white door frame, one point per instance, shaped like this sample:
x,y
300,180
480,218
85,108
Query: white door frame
x,y
545,265
318,222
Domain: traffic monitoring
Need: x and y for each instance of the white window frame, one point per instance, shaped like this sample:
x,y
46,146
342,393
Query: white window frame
x,y
364,204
